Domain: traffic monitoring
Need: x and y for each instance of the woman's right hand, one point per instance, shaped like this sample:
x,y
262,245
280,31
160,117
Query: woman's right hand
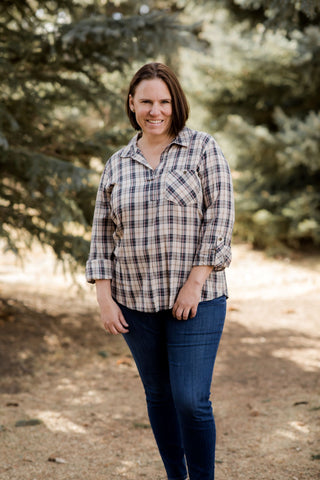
x,y
111,316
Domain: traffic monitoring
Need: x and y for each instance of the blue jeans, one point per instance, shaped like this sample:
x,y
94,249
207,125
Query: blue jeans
x,y
175,359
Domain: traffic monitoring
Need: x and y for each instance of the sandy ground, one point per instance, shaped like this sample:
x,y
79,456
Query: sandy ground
x,y
80,388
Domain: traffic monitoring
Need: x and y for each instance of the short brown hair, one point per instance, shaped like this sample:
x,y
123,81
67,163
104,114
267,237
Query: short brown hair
x,y
180,107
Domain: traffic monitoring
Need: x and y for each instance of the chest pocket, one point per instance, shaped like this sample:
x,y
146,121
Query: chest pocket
x,y
182,187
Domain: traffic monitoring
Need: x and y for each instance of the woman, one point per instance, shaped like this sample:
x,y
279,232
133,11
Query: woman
x,y
160,243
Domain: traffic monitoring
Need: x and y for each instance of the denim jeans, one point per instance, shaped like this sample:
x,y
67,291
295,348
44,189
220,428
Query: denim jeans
x,y
175,359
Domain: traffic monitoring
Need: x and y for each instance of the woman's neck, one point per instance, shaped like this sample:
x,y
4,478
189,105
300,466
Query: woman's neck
x,y
154,141
153,148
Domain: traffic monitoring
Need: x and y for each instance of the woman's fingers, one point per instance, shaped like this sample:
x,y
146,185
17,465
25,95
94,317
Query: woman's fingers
x,y
193,311
183,312
185,306
115,328
113,321
187,302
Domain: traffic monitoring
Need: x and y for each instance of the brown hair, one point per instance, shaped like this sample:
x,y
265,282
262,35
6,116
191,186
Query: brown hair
x,y
180,107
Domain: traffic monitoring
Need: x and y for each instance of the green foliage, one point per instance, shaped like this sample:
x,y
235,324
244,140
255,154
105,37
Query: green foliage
x,y
278,196
275,14
64,70
265,103
46,198
285,12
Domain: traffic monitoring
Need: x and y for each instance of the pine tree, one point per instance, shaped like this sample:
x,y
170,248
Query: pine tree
x,y
263,92
275,14
64,69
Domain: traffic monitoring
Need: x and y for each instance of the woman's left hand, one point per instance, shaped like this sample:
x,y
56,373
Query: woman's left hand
x,y
187,302
188,298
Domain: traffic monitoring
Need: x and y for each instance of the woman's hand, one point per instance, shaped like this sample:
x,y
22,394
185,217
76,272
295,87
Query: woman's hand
x,y
112,319
187,302
188,298
111,316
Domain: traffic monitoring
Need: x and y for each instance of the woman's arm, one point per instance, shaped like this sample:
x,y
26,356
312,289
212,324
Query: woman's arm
x,y
214,249
214,246
99,264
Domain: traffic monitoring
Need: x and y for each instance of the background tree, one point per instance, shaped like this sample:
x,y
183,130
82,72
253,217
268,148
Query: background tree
x,y
263,91
64,68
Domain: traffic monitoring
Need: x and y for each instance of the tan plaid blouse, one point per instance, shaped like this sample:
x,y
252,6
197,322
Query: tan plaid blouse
x,y
151,226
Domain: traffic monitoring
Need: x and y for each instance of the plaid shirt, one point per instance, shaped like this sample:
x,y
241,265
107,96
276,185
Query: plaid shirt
x,y
151,226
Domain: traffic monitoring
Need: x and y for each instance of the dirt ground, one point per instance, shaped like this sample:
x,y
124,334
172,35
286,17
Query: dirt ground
x,y
80,390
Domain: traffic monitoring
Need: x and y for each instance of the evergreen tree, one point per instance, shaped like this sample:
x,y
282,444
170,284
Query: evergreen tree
x,y
275,14
263,90
64,69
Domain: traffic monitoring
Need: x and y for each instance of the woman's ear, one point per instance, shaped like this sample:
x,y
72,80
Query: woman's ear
x,y
131,105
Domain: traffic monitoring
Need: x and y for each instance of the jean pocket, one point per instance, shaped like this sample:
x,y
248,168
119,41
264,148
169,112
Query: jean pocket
x,y
182,187
215,301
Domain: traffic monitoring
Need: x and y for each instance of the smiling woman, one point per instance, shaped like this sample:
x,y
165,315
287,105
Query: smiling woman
x,y
171,90
160,243
152,106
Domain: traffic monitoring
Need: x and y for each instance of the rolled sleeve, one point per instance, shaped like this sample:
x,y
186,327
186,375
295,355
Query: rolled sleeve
x,y
98,270
99,264
214,247
219,256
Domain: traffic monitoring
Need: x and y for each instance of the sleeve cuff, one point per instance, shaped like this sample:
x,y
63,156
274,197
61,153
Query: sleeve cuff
x,y
98,270
219,257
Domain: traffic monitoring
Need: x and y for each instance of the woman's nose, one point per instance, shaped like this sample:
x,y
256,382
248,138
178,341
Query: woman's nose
x,y
154,109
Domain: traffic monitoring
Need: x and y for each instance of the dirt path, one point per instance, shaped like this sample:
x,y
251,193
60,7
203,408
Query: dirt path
x,y
58,367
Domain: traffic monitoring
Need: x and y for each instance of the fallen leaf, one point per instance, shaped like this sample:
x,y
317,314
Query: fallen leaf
x,y
57,460
254,413
141,425
28,423
103,353
315,457
125,361
233,309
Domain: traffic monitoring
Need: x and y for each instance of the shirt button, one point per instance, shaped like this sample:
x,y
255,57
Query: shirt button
x,y
220,239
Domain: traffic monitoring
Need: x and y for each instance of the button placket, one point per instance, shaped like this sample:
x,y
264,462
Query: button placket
x,y
153,189
150,186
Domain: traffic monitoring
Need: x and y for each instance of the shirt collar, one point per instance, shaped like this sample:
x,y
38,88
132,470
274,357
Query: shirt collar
x,y
131,149
183,137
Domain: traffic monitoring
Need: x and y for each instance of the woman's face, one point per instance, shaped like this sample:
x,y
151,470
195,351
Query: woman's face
x,y
152,105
